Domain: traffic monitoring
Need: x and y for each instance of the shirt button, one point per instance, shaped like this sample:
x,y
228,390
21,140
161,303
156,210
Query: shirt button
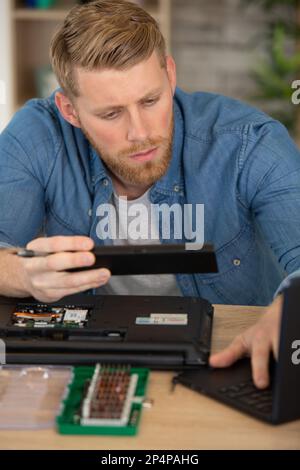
x,y
90,212
236,262
105,182
176,188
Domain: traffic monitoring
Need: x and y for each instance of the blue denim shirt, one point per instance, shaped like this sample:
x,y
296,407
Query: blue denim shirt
x,y
237,161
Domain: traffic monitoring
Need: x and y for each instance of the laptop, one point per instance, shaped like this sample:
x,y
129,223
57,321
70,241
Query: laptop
x,y
233,386
151,331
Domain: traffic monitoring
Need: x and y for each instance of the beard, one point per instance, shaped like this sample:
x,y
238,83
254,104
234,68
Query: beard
x,y
138,173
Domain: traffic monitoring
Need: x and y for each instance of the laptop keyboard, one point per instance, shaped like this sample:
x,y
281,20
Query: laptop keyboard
x,y
248,395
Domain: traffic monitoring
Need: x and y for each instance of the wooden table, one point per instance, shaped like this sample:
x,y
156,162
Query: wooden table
x,y
182,419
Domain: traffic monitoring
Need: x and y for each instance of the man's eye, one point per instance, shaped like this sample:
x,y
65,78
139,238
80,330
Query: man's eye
x,y
110,116
152,101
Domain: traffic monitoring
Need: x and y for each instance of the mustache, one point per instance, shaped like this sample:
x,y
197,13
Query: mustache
x,y
136,148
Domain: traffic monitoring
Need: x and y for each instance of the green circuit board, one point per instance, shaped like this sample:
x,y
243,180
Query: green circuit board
x,y
104,400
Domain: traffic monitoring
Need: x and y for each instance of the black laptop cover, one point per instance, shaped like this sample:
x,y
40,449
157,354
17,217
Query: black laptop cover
x,y
155,259
153,331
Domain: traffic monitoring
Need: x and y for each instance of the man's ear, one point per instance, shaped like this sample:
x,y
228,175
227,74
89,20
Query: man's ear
x,y
171,71
66,109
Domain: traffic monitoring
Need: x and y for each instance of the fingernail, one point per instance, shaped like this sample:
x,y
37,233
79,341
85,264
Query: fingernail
x,y
105,272
103,276
261,382
89,259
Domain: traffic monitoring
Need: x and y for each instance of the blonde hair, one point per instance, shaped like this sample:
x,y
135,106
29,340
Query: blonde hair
x,y
104,34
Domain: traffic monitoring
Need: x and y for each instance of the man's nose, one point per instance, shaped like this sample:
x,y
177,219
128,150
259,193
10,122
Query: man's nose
x,y
137,130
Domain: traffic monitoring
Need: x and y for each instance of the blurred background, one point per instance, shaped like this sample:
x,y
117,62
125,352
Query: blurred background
x,y
247,49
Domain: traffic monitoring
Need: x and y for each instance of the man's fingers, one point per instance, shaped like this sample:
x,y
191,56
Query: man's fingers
x,y
61,243
47,275
260,360
259,349
228,356
53,295
92,277
60,261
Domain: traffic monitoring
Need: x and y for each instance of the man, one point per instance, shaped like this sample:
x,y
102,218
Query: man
x,y
118,126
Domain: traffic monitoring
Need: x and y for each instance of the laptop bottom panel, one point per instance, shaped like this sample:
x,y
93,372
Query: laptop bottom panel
x,y
157,332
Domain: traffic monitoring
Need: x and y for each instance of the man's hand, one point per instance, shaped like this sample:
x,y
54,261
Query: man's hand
x,y
257,341
45,278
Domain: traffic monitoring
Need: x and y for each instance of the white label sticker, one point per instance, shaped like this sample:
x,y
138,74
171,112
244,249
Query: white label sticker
x,y
163,319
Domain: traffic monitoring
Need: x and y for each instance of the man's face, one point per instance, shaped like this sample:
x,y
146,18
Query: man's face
x,y
129,112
